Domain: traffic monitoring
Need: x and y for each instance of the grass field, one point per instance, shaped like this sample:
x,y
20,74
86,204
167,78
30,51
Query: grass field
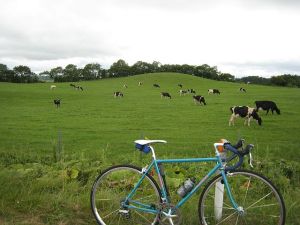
x,y
44,182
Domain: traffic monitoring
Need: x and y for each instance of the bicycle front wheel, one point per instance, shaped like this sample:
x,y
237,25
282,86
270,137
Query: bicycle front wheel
x,y
110,190
261,202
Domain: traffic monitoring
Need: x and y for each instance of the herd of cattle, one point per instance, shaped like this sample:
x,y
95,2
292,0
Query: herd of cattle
x,y
245,112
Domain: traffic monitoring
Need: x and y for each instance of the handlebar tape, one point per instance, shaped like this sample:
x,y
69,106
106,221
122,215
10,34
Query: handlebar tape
x,y
236,152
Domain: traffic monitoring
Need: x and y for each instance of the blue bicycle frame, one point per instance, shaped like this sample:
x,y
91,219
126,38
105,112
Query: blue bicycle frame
x,y
156,162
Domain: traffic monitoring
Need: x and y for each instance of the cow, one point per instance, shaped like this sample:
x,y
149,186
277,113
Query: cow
x,y
182,92
57,102
140,83
180,85
156,85
244,112
118,94
242,89
72,85
165,95
192,91
125,86
52,87
199,99
267,105
213,91
78,88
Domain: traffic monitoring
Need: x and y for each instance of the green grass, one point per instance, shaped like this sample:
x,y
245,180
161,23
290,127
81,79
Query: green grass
x,y
98,130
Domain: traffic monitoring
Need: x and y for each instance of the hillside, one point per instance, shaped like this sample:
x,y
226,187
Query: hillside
x,y
92,130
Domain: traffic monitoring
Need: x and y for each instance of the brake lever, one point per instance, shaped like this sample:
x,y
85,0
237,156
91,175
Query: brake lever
x,y
239,144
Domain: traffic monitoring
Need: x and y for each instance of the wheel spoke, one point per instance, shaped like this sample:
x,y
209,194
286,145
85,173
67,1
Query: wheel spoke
x,y
142,216
227,218
110,213
109,193
237,219
228,206
248,185
261,206
259,200
265,205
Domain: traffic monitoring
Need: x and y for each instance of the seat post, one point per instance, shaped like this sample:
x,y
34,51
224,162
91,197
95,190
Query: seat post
x,y
153,152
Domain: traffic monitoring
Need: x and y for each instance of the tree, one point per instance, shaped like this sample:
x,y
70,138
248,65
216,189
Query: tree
x,y
23,74
57,71
226,77
141,67
3,73
206,71
71,73
92,71
119,69
156,66
286,80
255,80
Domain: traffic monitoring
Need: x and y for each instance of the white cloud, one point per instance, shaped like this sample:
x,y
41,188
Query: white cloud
x,y
235,36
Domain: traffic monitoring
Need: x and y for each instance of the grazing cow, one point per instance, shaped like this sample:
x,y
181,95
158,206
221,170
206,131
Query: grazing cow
x,y
72,85
165,95
267,105
182,92
118,94
244,112
125,86
156,85
57,102
192,91
180,85
78,88
199,99
242,89
213,91
52,87
140,83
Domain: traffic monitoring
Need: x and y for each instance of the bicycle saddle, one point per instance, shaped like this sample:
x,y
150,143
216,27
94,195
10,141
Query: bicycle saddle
x,y
146,142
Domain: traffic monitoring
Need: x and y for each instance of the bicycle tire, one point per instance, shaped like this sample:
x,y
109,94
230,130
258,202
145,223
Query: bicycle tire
x,y
260,199
110,189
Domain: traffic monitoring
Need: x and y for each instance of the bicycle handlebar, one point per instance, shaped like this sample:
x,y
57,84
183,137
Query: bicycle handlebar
x,y
237,153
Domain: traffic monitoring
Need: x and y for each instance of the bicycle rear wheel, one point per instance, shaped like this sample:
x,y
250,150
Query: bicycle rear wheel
x,y
261,201
112,187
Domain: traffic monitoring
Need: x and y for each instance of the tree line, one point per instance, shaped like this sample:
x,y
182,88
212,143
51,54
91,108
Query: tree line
x,y
94,71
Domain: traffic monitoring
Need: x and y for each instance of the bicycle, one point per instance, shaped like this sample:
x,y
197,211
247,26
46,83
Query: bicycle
x,y
127,194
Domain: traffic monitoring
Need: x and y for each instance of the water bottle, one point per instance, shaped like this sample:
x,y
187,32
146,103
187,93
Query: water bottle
x,y
186,187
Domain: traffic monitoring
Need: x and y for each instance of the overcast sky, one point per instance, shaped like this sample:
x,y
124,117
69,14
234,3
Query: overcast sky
x,y
241,37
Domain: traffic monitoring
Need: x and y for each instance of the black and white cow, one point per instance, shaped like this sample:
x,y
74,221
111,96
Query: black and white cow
x,y
125,86
140,83
78,87
165,95
213,91
267,105
192,91
242,89
156,85
56,102
118,94
180,85
244,112
199,99
182,92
